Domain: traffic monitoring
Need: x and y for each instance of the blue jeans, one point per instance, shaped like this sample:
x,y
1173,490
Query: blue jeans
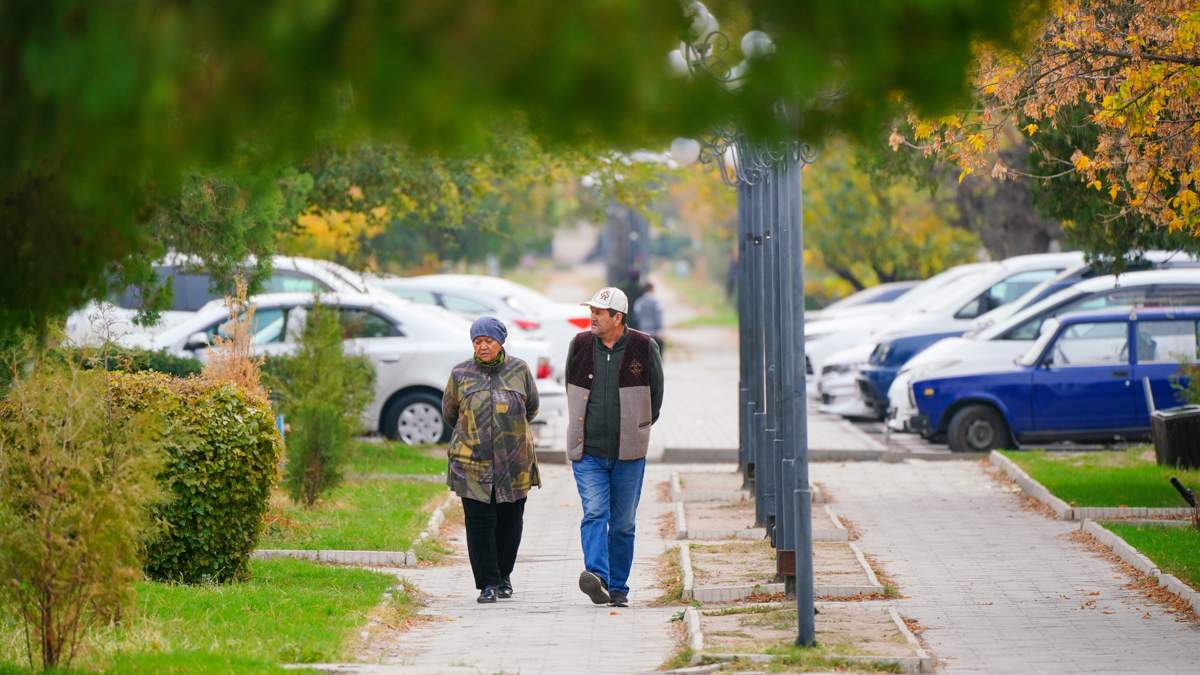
x,y
610,490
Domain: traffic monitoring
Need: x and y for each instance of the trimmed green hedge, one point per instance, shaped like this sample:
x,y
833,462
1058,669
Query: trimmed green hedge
x,y
130,360
222,459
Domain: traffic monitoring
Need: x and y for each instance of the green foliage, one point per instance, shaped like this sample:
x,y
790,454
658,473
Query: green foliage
x,y
114,357
324,392
1126,478
1186,384
77,484
109,108
223,453
289,611
1093,220
867,229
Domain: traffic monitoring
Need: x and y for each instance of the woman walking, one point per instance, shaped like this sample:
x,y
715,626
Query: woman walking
x,y
490,401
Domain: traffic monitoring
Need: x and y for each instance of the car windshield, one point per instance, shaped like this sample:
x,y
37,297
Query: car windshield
x,y
932,288
1049,328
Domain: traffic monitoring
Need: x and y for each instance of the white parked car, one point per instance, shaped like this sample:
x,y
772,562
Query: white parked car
x,y
984,287
999,344
825,337
193,290
864,301
412,347
521,308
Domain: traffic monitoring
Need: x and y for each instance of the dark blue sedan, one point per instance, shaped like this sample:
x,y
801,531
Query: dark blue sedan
x,y
1082,380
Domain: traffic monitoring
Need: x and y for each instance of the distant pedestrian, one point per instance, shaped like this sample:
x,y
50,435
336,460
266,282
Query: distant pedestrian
x,y
632,288
649,314
614,395
490,401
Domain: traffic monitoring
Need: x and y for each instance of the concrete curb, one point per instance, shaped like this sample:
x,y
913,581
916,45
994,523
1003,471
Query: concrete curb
x,y
1136,559
1078,513
1030,486
735,592
695,638
920,662
364,558
435,523
681,528
924,660
862,560
689,579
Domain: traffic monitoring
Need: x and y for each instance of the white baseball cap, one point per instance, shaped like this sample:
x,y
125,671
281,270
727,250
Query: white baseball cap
x,y
610,298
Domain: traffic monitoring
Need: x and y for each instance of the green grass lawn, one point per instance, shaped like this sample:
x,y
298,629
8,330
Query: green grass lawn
x,y
359,515
1176,550
289,612
390,457
1117,478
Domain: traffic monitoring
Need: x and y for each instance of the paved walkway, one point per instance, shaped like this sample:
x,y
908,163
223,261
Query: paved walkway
x,y
549,626
998,588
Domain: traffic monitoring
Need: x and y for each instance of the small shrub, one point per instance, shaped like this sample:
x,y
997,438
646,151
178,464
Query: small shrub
x,y
231,358
222,454
113,357
324,392
77,483
1186,384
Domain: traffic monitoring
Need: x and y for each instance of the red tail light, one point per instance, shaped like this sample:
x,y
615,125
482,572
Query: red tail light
x,y
582,322
526,324
543,369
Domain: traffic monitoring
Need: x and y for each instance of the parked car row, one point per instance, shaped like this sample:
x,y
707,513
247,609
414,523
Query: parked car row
x,y
943,336
412,344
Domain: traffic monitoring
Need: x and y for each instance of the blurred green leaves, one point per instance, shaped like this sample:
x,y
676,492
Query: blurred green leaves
x,y
109,107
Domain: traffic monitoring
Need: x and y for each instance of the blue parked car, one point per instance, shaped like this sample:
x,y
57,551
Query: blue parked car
x,y
875,378
1080,381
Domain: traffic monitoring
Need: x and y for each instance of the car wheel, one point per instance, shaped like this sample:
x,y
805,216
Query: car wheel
x,y
416,419
977,428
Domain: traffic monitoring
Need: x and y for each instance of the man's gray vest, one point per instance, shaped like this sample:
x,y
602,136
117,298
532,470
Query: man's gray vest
x,y
633,382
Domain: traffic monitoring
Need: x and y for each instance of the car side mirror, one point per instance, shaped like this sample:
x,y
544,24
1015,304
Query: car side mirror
x,y
198,340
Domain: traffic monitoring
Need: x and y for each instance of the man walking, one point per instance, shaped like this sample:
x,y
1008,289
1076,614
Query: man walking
x,y
648,313
614,394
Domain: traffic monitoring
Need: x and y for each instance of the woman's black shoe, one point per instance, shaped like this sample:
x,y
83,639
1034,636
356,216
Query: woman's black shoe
x,y
488,594
505,589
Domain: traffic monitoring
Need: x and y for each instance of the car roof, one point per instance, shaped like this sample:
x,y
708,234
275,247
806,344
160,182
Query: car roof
x,y
1095,285
1135,314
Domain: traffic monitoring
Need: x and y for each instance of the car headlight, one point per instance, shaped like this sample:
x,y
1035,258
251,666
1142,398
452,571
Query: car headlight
x,y
912,397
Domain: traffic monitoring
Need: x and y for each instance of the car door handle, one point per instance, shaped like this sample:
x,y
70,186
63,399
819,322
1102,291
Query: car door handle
x,y
1120,373
389,358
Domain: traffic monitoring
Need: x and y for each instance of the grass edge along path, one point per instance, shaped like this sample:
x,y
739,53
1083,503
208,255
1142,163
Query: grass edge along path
x,y
388,457
1106,478
1175,550
289,612
359,515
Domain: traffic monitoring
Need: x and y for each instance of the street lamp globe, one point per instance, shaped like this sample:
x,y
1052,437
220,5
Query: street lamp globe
x,y
685,151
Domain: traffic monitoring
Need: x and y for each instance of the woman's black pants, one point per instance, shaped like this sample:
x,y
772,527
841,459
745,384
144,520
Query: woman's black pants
x,y
493,536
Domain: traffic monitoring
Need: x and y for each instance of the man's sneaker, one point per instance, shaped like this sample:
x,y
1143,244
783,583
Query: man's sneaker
x,y
619,599
595,587
505,589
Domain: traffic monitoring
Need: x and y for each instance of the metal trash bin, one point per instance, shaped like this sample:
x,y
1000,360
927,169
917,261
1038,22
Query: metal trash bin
x,y
1176,433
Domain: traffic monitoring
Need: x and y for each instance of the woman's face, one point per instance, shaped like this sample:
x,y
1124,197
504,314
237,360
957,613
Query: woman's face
x,y
486,348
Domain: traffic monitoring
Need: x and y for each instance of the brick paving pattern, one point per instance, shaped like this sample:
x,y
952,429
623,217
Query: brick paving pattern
x,y
998,588
549,626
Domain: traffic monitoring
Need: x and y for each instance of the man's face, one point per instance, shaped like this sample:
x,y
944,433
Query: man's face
x,y
486,348
603,323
